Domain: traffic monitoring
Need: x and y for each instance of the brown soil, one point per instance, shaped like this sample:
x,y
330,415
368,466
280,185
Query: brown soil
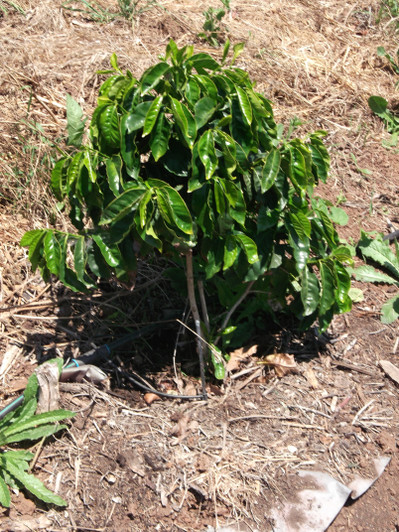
x,y
184,466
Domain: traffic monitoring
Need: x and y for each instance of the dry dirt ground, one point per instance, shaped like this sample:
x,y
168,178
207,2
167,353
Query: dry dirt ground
x,y
186,466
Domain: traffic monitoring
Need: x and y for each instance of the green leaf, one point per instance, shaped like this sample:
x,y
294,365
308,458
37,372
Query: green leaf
x,y
152,77
380,252
75,123
34,239
301,224
230,252
121,205
159,140
80,258
343,281
52,252
108,123
245,106
34,433
136,119
300,248
58,184
368,274
249,247
33,484
310,292
37,420
204,109
110,252
113,166
207,154
356,295
378,105
390,310
339,216
152,115
175,209
226,49
201,61
237,50
327,280
270,169
5,498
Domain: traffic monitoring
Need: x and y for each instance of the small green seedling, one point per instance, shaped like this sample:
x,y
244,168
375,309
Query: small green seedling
x,y
212,31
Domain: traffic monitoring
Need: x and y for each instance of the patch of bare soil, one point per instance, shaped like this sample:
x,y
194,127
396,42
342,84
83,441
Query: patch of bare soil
x,y
185,466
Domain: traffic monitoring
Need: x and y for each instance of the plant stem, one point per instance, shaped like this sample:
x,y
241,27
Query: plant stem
x,y
233,308
196,317
204,307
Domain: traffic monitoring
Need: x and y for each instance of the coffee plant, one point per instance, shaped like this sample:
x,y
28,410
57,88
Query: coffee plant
x,y
188,162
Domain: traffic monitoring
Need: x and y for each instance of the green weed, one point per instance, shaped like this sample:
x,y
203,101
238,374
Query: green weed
x,y
23,425
213,33
128,9
6,5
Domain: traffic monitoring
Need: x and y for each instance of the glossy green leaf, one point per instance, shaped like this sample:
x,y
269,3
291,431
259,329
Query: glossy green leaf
x,y
152,77
108,124
300,248
114,166
121,205
343,300
174,209
152,115
270,169
327,280
111,253
301,224
143,208
136,119
52,252
160,135
180,118
245,106
201,61
249,247
192,91
207,154
310,292
204,109
207,85
230,252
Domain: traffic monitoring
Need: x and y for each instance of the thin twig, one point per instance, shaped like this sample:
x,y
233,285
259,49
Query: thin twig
x,y
233,308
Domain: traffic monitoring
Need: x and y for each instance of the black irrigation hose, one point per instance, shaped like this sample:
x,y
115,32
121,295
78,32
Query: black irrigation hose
x,y
392,236
101,354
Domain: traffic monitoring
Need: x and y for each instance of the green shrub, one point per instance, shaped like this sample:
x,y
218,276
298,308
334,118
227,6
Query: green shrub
x,y
188,161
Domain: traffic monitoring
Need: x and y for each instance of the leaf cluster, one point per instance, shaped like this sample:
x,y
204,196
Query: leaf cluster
x,y
190,158
20,425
